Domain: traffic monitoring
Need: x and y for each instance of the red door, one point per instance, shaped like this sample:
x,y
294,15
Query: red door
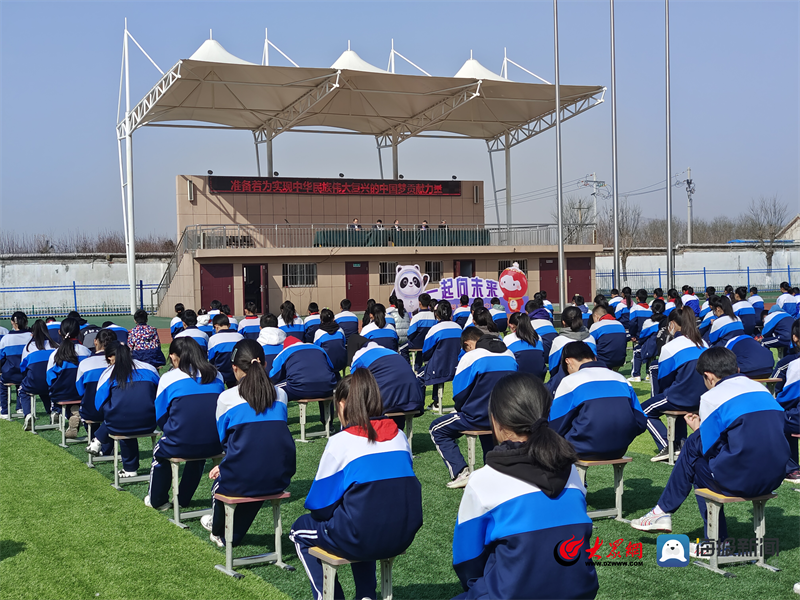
x,y
579,277
357,276
548,278
216,283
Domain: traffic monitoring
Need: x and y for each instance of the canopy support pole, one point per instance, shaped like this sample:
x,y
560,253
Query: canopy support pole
x,y
508,181
258,158
395,165
494,185
614,173
270,163
562,270
131,249
380,156
670,254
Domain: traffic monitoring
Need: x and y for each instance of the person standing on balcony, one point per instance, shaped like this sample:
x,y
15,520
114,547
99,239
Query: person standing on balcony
x,y
424,226
378,225
396,226
355,225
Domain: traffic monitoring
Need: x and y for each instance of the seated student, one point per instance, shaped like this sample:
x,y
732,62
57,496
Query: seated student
x,y
53,325
673,301
704,327
542,324
220,347
33,367
85,327
676,384
757,302
526,345
639,314
777,330
250,326
89,371
176,324
745,311
401,389
346,320
366,318
572,331
601,300
330,337
62,370
546,303
144,342
658,294
622,309
789,399
401,319
260,457
499,315
289,322
615,298
754,359
365,501
421,324
783,364
233,324
11,347
3,332
518,509
216,309
311,323
186,406
579,302
786,300
461,314
120,332
270,338
737,448
477,304
440,352
125,397
706,307
653,335
689,300
379,331
611,339
485,362
204,321
191,330
595,409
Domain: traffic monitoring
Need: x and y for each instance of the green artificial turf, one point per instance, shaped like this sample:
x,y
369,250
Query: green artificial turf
x,y
425,571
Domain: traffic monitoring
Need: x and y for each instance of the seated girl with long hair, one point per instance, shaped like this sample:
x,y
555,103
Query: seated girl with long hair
x,y
35,355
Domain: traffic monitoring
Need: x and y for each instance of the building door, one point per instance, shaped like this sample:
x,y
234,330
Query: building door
x,y
256,287
357,277
216,283
548,278
579,277
463,268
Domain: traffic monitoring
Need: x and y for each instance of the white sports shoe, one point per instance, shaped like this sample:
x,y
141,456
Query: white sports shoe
x,y
27,425
163,507
5,416
206,521
95,448
125,474
460,481
217,540
54,418
653,522
635,379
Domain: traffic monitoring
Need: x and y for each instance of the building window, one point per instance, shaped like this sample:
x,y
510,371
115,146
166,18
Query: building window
x,y
502,265
386,273
434,269
300,275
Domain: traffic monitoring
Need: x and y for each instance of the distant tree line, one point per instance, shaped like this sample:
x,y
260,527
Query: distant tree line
x,y
98,242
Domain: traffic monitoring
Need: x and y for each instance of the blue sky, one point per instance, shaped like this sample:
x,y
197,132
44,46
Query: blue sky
x,y
735,117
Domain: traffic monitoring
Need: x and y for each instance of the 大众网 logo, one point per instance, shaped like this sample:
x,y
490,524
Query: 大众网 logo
x,y
567,552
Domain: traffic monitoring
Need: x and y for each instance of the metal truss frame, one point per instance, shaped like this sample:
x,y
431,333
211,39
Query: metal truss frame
x,y
134,119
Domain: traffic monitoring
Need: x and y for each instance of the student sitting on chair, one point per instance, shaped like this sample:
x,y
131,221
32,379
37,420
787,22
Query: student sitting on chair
x,y
176,324
485,362
330,337
270,338
649,336
783,364
11,347
89,371
440,351
35,355
119,331
365,501
311,323
260,457
786,301
461,314
125,397
610,336
191,330
144,342
754,359
220,347
640,312
777,330
523,506
379,331
595,409
347,320
745,311
62,371
572,331
250,326
524,342
421,324
542,324
289,322
499,315
757,302
737,448
186,405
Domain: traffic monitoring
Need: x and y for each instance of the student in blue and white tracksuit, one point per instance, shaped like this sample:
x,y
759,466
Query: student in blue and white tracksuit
x,y
125,397
186,407
289,322
737,449
787,301
745,311
789,398
595,409
485,362
11,347
120,332
777,330
176,324
580,303
311,323
706,307
379,331
330,337
499,317
610,337
440,351
546,304
689,300
639,315
757,302
191,330
346,320
573,331
754,359
260,457
220,347
526,345
250,326
622,310
35,355
90,370
365,501
522,529
53,327
675,381
461,314
542,324
3,332
649,336
421,324
270,338
673,301
204,322
783,364
62,371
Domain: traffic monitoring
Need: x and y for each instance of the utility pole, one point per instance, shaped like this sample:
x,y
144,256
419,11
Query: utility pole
x,y
689,192
595,183
670,259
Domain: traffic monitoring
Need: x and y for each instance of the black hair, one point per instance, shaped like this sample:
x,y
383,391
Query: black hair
x,y
40,335
363,401
718,360
444,311
521,404
433,304
255,387
754,290
107,324
572,318
687,321
530,306
495,301
600,300
627,290
578,300
544,294
658,307
251,307
216,305
711,291
723,303
288,312
179,308
576,350
601,309
525,330
615,291
123,363
326,316
741,291
365,320
189,318
690,289
222,320
140,316
226,310
534,303
345,304
69,332
795,291
105,336
73,314
379,315
201,311
464,300
626,297
313,307
641,295
268,320
424,299
728,289
483,318
796,332
674,296
476,304
193,360
658,292
684,288
472,334
400,306
20,319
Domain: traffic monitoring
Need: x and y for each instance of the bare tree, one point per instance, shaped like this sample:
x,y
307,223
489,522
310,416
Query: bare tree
x,y
102,241
577,219
764,220
630,217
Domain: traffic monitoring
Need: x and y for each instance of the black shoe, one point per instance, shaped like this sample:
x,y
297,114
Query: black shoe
x,y
433,406
663,454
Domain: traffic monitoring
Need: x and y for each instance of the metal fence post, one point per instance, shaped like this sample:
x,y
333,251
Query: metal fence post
x,y
748,279
659,276
705,282
141,294
75,295
789,273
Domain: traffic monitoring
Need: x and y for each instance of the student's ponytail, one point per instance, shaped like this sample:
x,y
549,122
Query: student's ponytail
x,y
367,312
193,360
123,362
687,321
362,398
674,297
379,315
69,332
520,403
572,317
401,307
444,311
40,336
724,304
525,330
288,313
255,387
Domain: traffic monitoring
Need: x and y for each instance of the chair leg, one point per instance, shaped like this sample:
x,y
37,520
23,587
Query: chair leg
x,y
386,578
116,465
712,517
618,489
581,474
229,516
276,519
328,581
471,452
63,429
410,429
671,439
33,415
89,461
327,415
176,508
302,421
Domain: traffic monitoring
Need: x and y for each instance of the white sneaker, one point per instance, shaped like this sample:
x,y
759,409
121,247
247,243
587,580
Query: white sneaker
x,y
18,412
95,448
217,540
207,521
5,416
54,418
653,522
797,588
635,379
28,421
126,474
460,481
163,507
